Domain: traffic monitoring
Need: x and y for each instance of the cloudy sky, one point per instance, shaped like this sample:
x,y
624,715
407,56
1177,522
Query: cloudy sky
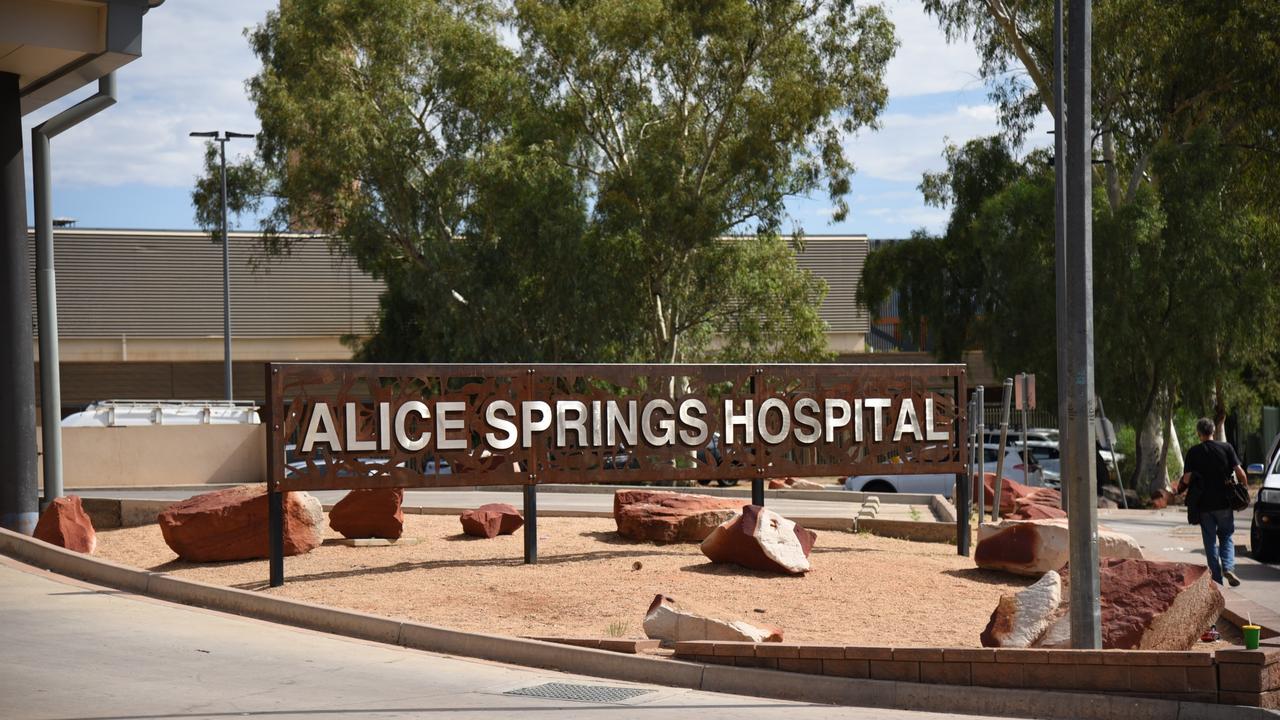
x,y
133,165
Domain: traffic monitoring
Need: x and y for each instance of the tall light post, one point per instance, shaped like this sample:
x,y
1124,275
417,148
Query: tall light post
x,y
221,139
1079,477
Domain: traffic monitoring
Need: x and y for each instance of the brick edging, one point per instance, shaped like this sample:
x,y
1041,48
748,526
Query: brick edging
x,y
1234,677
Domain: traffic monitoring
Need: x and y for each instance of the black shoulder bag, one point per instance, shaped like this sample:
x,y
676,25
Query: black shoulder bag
x,y
1237,493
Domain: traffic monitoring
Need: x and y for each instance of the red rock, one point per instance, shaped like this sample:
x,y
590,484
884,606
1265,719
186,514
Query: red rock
x,y
1034,547
761,539
794,484
672,621
1027,509
369,513
1021,619
231,524
1146,605
491,520
64,523
668,517
1011,490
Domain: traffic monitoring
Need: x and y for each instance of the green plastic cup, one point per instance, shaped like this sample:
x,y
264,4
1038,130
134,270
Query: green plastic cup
x,y
1252,634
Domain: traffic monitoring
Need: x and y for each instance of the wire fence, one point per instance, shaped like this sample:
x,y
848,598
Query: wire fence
x,y
1038,418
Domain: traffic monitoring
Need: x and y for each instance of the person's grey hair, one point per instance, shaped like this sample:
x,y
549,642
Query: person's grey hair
x,y
1205,427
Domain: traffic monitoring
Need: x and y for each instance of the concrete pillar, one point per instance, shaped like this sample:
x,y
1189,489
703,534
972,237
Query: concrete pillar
x,y
18,490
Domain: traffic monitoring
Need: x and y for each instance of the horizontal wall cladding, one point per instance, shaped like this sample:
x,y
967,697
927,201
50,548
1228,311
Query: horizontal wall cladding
x,y
169,284
144,283
838,259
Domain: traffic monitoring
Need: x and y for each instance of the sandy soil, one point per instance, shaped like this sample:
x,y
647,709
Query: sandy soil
x,y
590,582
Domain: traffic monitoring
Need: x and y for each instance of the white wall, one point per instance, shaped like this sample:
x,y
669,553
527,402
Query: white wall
x,y
154,455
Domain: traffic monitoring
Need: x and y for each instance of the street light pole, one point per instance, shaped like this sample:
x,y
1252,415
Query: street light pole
x,y
222,139
1060,239
1082,518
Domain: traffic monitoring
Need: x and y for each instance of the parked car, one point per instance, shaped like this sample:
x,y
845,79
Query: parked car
x,y
128,413
944,483
1264,528
925,483
1013,464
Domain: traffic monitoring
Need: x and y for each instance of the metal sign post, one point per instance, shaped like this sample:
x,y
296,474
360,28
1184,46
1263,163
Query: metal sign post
x,y
1025,397
981,449
1107,439
1004,439
964,481
530,524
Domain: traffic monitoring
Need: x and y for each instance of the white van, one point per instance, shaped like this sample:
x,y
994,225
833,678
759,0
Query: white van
x,y
125,413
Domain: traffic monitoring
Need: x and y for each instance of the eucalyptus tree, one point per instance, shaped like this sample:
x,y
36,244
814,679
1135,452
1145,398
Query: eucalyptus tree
x,y
556,180
696,120
1187,167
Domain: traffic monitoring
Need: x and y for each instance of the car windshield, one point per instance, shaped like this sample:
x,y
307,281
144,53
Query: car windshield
x,y
1044,453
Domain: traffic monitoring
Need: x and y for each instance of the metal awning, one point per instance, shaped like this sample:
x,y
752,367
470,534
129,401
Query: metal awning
x,y
56,47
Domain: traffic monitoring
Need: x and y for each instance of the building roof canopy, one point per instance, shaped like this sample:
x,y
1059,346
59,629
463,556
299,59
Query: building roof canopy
x,y
56,47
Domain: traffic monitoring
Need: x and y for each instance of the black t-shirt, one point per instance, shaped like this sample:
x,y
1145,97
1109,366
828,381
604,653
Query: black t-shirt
x,y
1211,464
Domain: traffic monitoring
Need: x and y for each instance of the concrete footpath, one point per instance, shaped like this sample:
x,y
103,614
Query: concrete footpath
x,y
74,651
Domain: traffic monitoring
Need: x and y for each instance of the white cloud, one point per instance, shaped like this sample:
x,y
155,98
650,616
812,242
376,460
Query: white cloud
x,y
909,144
926,62
191,76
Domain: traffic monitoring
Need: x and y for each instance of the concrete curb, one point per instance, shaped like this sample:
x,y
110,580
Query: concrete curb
x,y
601,663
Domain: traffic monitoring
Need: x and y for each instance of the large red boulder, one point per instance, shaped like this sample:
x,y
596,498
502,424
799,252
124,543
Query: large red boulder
x,y
1145,605
1011,491
1028,509
491,520
231,524
673,621
669,517
1034,547
64,523
761,539
369,513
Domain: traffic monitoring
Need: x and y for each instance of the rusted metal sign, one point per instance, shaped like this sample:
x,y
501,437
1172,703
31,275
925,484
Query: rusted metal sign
x,y
338,426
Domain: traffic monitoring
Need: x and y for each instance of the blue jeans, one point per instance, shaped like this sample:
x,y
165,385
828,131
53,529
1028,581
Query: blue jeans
x,y
1216,528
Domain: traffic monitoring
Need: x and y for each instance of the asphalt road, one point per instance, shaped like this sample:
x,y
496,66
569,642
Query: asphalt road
x,y
1165,534
77,652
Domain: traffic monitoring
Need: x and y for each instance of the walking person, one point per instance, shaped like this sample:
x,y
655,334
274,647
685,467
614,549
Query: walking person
x,y
1207,473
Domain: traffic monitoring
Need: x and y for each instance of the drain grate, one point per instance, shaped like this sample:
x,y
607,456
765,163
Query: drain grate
x,y
579,693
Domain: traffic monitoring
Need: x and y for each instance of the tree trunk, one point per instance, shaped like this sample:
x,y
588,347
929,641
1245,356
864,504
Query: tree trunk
x,y
1219,412
1161,479
1147,437
1150,470
1175,446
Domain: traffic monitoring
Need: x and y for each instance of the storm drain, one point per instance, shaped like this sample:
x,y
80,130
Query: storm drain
x,y
579,693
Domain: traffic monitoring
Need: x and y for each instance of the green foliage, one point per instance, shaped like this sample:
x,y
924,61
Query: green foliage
x,y
1185,221
246,189
943,281
572,189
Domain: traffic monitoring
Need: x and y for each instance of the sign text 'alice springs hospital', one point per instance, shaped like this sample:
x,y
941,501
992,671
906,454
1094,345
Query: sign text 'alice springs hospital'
x,y
352,425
